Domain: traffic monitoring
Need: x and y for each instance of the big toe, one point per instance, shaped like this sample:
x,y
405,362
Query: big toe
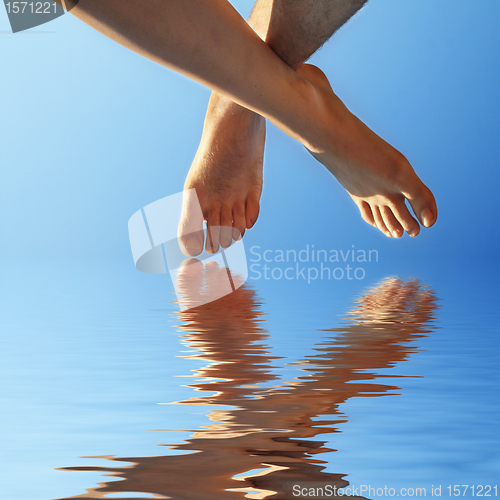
x,y
192,244
190,229
423,204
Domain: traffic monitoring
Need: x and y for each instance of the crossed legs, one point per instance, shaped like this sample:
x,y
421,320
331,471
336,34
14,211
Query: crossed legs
x,y
209,42
227,170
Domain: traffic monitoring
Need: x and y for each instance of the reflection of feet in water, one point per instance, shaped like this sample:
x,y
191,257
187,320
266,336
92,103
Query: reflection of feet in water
x,y
198,283
264,435
396,301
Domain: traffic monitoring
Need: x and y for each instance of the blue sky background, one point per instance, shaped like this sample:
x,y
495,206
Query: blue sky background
x,y
91,132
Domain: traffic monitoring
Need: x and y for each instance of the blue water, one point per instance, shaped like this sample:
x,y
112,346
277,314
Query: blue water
x,y
109,391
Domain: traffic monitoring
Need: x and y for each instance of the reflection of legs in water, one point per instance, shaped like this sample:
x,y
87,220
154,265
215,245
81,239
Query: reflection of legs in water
x,y
209,42
271,429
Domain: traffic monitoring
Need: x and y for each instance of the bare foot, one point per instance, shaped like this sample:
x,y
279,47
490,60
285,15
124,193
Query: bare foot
x,y
227,176
377,176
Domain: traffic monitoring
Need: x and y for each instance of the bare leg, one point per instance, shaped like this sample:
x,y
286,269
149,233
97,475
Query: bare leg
x,y
295,29
209,42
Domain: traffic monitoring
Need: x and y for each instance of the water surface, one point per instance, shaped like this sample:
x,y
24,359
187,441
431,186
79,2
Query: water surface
x,y
113,393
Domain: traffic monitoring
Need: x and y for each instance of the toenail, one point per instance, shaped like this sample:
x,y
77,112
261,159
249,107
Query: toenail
x,y
413,232
395,234
427,217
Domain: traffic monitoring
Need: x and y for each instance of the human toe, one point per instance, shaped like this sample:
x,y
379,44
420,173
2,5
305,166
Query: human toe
x,y
379,221
226,229
423,204
407,221
239,221
213,231
252,209
391,222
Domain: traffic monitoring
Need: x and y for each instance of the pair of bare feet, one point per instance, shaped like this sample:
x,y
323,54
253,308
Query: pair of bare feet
x,y
227,170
